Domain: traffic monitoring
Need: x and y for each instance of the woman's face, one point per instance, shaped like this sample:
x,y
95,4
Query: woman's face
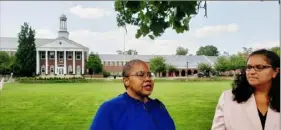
x,y
139,81
259,72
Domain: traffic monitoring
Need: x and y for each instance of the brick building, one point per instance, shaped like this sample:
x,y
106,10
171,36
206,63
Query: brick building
x,y
185,65
59,56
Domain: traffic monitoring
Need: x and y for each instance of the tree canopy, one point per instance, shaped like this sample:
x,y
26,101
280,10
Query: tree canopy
x,y
181,51
4,62
26,53
276,50
157,64
208,50
154,17
128,52
94,64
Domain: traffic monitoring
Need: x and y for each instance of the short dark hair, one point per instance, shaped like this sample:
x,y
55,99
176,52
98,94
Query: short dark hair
x,y
128,67
242,90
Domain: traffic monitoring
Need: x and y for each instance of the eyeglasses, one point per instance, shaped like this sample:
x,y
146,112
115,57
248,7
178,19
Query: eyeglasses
x,y
257,67
142,74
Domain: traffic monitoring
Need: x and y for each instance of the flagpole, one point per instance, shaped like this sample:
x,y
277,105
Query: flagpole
x,y
124,49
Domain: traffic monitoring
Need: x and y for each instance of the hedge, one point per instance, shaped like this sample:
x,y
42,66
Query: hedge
x,y
106,80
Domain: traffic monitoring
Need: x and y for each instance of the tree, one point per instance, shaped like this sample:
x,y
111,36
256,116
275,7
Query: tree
x,y
94,64
131,52
26,53
246,52
120,52
171,68
276,50
4,62
222,64
208,50
154,17
157,64
206,68
128,52
181,51
225,54
237,62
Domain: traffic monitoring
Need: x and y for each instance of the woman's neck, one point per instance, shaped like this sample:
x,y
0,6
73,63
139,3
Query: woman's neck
x,y
136,96
262,89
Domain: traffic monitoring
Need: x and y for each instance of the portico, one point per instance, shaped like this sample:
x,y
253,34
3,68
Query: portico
x,y
60,61
61,56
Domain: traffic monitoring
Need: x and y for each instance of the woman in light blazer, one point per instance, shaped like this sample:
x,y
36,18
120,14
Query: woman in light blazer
x,y
254,101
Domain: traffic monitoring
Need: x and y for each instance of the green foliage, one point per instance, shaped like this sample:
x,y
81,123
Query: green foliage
x,y
4,62
181,51
171,68
208,50
157,64
94,64
237,62
106,74
203,67
154,17
222,64
246,52
51,80
26,53
128,52
276,50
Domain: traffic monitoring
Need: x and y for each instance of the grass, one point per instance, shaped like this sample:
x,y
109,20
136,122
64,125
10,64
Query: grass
x,y
73,106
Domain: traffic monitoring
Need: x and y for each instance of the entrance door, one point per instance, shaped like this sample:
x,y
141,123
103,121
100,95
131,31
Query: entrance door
x,y
60,70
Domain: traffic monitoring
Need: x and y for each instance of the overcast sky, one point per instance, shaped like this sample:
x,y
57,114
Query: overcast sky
x,y
229,26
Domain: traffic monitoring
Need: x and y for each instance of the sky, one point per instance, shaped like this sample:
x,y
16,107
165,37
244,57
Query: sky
x,y
230,25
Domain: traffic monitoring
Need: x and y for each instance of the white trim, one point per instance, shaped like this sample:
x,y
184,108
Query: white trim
x,y
56,62
83,59
73,62
59,49
37,62
64,62
46,61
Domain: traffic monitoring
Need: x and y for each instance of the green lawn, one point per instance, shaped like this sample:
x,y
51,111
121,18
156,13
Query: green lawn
x,y
72,106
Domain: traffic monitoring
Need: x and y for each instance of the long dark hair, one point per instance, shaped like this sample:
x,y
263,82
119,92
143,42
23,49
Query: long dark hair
x,y
242,90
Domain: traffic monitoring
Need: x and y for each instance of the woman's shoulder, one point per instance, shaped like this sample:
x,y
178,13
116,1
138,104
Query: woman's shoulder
x,y
227,95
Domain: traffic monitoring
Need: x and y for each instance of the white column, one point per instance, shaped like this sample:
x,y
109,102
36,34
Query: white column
x,y
83,62
64,57
37,62
56,62
46,62
73,59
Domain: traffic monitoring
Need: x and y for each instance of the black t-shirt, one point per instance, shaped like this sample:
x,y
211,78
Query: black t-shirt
x,y
262,118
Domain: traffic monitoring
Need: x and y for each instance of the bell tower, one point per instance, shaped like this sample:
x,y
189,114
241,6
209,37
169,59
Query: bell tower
x,y
63,27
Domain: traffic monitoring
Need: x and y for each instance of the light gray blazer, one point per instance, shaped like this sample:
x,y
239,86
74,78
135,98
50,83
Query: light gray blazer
x,y
229,115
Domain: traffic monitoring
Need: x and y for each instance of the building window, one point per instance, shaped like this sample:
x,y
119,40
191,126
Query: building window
x,y
108,63
78,69
52,69
69,69
69,55
43,69
117,63
60,56
113,64
78,55
42,55
52,55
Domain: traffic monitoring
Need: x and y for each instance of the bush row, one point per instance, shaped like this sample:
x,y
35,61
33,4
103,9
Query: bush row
x,y
51,80
83,80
